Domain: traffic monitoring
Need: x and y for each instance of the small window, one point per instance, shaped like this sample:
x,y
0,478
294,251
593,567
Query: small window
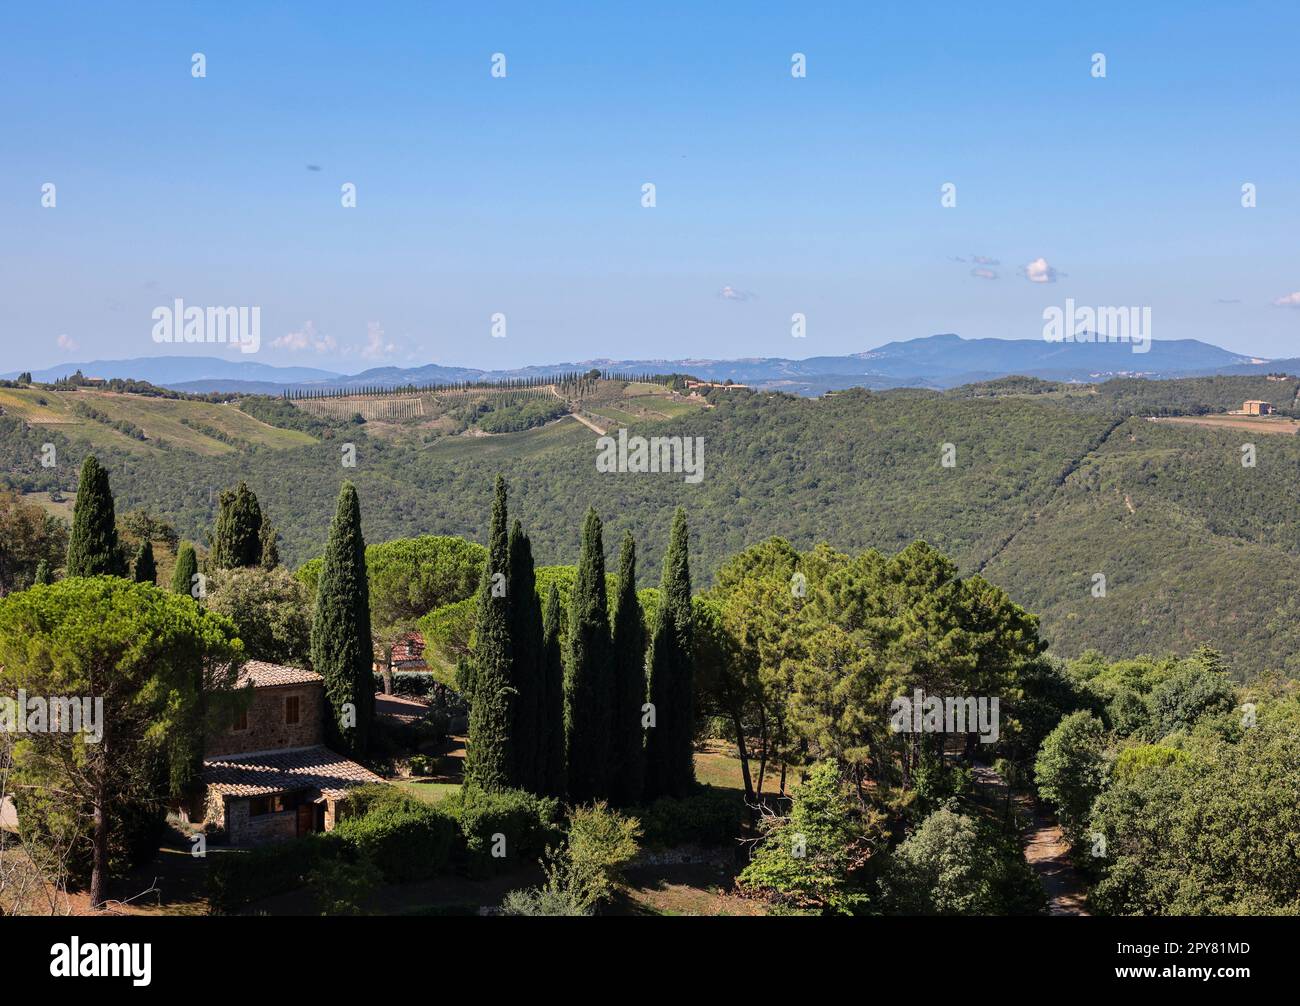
x,y
260,805
291,710
241,720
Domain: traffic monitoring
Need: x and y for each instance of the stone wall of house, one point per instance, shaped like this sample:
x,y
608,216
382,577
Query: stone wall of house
x,y
267,730
243,829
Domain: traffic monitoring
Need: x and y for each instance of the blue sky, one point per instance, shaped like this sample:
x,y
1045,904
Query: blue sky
x,y
522,195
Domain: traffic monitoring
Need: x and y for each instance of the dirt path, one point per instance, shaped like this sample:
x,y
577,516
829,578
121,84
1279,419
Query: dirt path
x,y
587,422
1046,850
1048,853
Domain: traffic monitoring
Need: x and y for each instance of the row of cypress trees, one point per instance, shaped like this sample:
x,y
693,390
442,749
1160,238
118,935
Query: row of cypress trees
x,y
578,725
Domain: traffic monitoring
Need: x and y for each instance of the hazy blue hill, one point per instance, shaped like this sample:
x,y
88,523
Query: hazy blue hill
x,y
936,361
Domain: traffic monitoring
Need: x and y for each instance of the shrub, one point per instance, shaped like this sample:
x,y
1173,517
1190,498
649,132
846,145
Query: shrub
x,y
601,843
339,887
549,900
401,837
709,817
954,864
812,859
526,823
235,878
405,837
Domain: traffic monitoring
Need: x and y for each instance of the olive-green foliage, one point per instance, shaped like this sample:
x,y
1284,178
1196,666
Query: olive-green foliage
x,y
1208,828
956,864
708,817
670,766
552,768
1032,495
527,671
812,858
143,567
187,565
627,768
29,538
341,649
405,837
93,547
237,540
490,758
143,653
589,681
526,823
269,609
1071,770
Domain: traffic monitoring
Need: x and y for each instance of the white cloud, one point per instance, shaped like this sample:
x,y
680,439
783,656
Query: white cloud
x,y
984,273
1290,300
1038,271
305,339
67,343
731,293
377,346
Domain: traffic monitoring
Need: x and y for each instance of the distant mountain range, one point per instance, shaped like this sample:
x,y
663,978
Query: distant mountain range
x,y
936,361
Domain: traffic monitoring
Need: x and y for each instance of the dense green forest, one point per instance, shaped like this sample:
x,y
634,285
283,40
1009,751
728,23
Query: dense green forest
x,y
1051,484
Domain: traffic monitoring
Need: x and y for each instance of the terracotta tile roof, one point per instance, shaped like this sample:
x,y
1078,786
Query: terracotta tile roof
x,y
316,768
264,675
400,708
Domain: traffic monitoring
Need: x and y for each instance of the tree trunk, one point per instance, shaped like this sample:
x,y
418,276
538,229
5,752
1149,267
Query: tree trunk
x,y
99,868
744,758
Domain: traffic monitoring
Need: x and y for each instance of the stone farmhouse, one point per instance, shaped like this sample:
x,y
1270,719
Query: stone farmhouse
x,y
269,776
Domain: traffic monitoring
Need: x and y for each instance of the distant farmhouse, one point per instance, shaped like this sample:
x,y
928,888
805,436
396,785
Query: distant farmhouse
x,y
724,385
269,776
1254,407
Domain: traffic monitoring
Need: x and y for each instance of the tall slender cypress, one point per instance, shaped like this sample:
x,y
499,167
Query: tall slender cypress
x,y
489,757
589,680
526,653
627,753
93,547
670,765
187,565
553,776
270,545
144,569
341,648
44,575
238,539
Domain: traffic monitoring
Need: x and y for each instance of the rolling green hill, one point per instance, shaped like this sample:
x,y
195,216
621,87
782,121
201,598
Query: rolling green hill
x,y
1052,484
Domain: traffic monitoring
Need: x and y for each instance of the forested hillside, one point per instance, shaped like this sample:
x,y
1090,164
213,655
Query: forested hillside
x,y
1050,485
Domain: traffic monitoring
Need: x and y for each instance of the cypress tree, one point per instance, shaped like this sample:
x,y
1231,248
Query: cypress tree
x,y
489,757
270,546
526,650
43,574
627,753
93,548
670,765
187,565
341,648
238,539
553,774
588,682
145,570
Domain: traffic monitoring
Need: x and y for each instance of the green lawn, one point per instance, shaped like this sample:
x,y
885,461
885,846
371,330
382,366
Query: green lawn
x,y
430,792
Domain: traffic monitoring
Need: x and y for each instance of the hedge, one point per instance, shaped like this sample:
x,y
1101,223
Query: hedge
x,y
708,817
528,823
